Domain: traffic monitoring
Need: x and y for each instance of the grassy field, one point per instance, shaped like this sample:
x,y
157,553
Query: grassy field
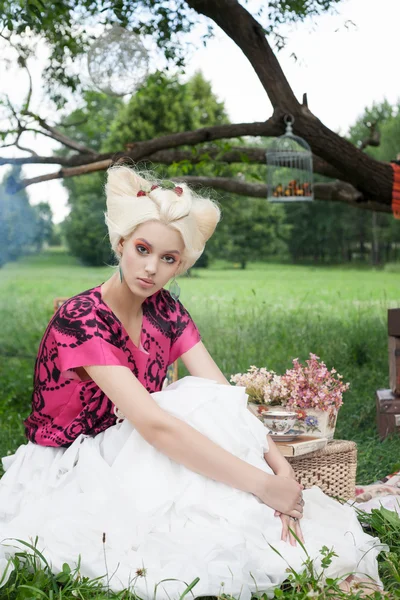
x,y
266,315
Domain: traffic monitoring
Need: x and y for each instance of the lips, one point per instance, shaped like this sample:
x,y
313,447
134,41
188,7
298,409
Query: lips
x,y
146,280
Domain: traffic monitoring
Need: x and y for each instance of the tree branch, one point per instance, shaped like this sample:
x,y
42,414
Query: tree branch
x,y
372,177
168,157
337,191
250,36
58,136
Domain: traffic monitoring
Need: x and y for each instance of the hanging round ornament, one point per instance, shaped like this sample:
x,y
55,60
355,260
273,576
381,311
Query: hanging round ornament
x,y
118,62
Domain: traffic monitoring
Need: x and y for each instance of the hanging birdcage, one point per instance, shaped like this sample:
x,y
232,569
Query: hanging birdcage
x,y
289,168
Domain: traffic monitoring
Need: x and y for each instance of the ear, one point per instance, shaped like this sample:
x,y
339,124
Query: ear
x,y
120,245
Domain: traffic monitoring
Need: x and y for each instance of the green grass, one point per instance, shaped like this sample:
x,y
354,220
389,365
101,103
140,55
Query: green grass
x,y
265,315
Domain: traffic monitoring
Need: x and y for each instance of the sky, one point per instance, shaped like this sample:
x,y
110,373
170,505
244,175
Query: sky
x,y
345,62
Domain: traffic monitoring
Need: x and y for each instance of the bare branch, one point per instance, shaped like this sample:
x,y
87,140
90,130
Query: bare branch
x,y
32,152
64,173
33,160
337,191
253,155
58,136
139,150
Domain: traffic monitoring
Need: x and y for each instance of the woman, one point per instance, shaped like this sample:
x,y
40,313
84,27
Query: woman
x,y
147,485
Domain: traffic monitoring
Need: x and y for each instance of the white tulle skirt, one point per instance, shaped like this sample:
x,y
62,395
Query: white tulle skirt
x,y
136,517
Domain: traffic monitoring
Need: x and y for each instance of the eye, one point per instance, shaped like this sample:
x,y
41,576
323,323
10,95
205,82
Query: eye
x,y
170,259
141,249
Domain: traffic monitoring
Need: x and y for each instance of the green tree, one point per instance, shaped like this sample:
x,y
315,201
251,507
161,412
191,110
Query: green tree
x,y
17,220
43,230
251,229
163,105
377,131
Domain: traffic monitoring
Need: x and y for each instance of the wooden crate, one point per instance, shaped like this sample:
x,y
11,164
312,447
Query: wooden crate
x,y
394,349
387,412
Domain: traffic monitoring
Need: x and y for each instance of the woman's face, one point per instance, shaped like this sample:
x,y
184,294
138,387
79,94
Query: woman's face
x,y
153,252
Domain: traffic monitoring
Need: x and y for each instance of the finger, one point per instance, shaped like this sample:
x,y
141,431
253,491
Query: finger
x,y
292,528
284,529
299,532
295,513
277,513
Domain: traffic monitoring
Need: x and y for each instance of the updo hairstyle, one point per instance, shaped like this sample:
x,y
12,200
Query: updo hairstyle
x,y
193,216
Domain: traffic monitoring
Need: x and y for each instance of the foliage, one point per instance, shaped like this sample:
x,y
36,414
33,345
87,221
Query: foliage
x,y
67,27
43,226
266,315
251,229
89,124
21,225
85,229
164,105
31,578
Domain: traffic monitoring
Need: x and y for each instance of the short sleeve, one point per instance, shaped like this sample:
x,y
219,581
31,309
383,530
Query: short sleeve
x,y
81,340
184,332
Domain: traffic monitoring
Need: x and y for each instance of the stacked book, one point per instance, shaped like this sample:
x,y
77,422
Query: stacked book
x,y
303,444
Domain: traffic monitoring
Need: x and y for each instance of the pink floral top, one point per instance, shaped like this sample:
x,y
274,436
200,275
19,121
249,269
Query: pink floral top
x,y
85,331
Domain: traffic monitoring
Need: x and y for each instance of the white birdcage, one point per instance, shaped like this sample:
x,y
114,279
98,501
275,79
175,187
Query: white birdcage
x,y
289,168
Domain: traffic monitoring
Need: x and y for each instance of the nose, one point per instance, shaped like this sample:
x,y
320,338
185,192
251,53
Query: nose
x,y
151,267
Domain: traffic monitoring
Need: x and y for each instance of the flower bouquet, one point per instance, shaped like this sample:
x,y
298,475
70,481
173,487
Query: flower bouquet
x,y
313,392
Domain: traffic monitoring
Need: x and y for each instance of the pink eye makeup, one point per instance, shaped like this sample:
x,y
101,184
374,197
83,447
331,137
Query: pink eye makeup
x,y
140,245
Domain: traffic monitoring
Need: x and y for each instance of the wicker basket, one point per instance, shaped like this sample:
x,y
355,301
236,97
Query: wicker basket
x,y
332,469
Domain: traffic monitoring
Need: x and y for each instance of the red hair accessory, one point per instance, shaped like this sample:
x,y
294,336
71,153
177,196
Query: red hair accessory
x,y
165,185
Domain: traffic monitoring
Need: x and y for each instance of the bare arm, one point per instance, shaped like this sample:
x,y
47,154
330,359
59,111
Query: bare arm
x,y
187,446
172,436
276,461
199,363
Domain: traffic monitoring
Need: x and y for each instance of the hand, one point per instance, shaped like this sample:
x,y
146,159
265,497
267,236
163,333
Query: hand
x,y
287,523
284,494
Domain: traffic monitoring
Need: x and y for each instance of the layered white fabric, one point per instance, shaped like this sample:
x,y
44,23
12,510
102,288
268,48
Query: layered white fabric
x,y
159,516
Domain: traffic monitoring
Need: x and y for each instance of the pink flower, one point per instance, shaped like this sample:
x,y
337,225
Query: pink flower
x,y
178,191
141,193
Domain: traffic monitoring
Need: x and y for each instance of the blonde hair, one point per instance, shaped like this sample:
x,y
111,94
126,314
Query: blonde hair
x,y
193,216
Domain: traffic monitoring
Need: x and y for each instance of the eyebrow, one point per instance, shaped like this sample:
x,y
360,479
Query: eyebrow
x,y
150,246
